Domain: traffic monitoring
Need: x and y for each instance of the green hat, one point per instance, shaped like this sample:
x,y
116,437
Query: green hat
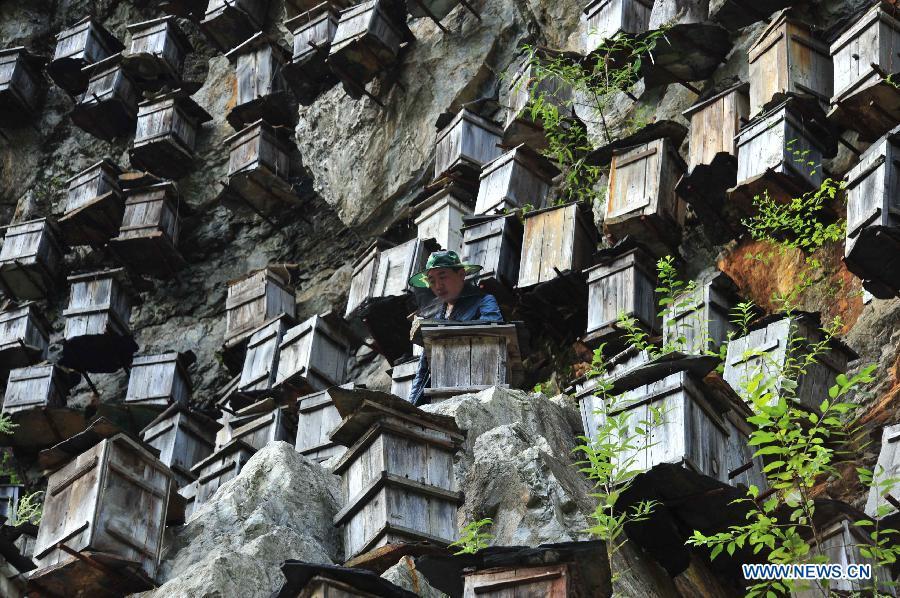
x,y
441,259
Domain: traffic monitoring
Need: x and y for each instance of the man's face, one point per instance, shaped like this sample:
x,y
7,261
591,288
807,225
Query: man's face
x,y
446,283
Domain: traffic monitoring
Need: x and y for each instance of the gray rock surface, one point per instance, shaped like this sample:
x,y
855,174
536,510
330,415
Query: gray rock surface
x,y
405,575
279,507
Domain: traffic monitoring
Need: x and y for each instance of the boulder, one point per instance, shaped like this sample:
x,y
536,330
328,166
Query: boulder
x,y
279,507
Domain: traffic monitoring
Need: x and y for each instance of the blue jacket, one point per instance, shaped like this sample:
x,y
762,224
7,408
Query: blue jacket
x,y
472,305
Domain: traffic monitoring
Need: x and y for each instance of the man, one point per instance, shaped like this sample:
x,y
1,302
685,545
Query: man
x,y
445,276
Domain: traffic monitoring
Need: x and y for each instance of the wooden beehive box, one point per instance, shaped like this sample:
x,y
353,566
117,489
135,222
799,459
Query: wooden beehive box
x,y
700,320
259,167
604,19
21,87
159,380
97,334
259,429
557,240
498,582
863,57
517,178
398,456
519,126
764,351
840,541
256,298
183,439
227,23
35,400
495,244
308,73
156,54
622,282
384,271
787,58
109,503
465,358
316,418
779,154
167,128
31,259
888,467
78,46
23,336
366,43
440,217
715,123
94,205
261,360
108,107
640,197
466,144
873,217
402,376
312,356
262,92
223,465
148,237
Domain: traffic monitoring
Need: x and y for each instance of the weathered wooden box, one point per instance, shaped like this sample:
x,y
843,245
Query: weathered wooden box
x,y
256,298
308,73
331,581
622,282
78,46
840,540
223,465
873,216
21,87
36,402
604,19
311,357
227,23
262,92
440,217
155,56
641,198
23,336
111,500
259,429
888,467
557,240
693,431
183,439
544,580
108,107
495,244
159,380
259,167
402,376
469,358
397,477
517,178
466,144
97,334
700,320
316,418
715,123
519,126
367,42
261,360
31,259
166,135
779,155
384,271
863,57
787,58
148,237
94,205
764,351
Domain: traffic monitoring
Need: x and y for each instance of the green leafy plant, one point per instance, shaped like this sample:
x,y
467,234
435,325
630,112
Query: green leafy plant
x,y
7,426
471,538
29,510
